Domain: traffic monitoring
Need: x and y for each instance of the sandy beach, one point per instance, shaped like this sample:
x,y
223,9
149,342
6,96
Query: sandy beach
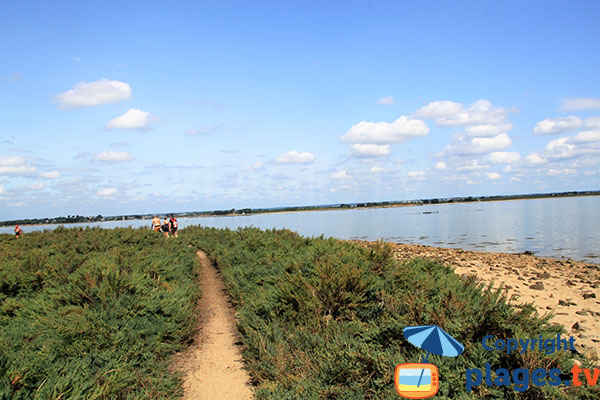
x,y
569,289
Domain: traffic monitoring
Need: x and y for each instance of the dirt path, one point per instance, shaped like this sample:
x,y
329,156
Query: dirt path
x,y
212,366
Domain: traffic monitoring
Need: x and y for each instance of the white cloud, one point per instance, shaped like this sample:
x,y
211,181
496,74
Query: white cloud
x,y
87,94
388,101
560,148
488,129
563,171
515,179
586,137
15,165
580,104
464,145
449,113
565,148
294,157
377,169
419,175
340,175
439,109
107,192
473,165
134,118
535,159
113,156
255,166
552,126
504,157
493,175
592,122
2,190
370,150
37,186
50,175
399,131
440,165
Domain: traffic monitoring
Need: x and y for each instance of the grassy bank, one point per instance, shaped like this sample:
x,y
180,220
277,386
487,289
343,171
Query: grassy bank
x,y
93,313
322,318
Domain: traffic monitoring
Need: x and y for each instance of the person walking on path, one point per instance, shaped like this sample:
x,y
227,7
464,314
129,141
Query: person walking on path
x,y
166,227
173,226
156,224
18,232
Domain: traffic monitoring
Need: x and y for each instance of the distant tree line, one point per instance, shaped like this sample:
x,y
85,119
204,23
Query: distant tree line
x,y
245,211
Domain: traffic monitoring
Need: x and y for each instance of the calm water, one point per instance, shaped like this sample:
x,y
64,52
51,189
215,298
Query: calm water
x,y
563,227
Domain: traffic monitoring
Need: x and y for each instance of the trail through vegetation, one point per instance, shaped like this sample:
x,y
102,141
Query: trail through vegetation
x,y
212,367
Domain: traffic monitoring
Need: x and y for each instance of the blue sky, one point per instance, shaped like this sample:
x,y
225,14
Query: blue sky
x,y
139,107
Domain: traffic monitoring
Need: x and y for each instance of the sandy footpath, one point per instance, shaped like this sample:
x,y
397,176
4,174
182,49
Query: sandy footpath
x,y
569,289
212,365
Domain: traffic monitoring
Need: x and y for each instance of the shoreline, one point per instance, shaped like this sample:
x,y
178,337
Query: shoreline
x,y
569,289
178,215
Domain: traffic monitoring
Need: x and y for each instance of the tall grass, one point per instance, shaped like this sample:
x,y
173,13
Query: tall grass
x,y
323,319
93,314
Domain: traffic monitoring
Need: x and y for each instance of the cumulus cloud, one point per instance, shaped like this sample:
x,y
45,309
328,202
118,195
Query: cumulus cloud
x,y
488,130
440,165
580,104
113,156
376,169
586,137
294,157
535,159
88,94
565,148
401,130
134,118
388,101
50,175
439,109
450,113
561,171
2,190
37,186
504,157
473,165
492,175
370,150
552,126
592,122
15,165
418,175
340,175
107,192
255,166
464,145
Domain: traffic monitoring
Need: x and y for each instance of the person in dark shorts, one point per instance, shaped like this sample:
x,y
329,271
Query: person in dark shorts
x,y
18,232
173,222
166,227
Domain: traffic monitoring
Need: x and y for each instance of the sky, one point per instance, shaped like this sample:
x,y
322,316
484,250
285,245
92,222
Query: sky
x,y
118,107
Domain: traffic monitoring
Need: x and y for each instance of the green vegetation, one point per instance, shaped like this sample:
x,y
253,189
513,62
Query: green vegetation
x,y
93,313
323,319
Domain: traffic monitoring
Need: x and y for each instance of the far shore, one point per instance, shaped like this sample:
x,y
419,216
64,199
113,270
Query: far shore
x,y
318,208
568,289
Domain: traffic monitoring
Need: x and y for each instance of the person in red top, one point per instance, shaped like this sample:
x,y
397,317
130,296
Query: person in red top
x,y
173,226
18,232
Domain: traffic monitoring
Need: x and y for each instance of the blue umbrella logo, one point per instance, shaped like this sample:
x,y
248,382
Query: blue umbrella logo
x,y
433,339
